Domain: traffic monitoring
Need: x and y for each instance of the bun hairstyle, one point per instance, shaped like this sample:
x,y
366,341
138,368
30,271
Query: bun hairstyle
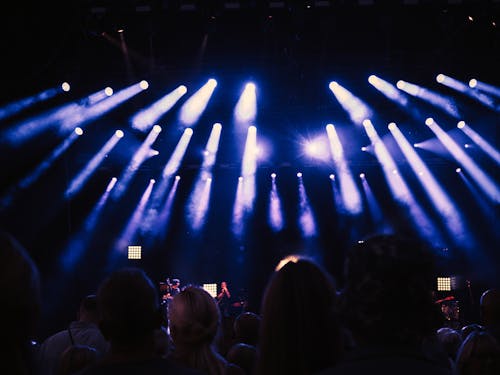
x,y
194,317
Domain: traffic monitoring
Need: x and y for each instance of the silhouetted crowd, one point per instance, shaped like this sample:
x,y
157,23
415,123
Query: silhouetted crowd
x,y
383,321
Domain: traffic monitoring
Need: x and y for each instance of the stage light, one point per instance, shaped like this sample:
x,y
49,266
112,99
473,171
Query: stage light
x,y
240,179
400,84
275,208
416,145
119,133
429,121
372,79
189,131
78,131
473,83
177,178
65,86
316,148
353,105
367,122
470,18
193,108
440,78
143,119
332,177
361,175
363,148
273,175
458,170
388,90
391,126
467,145
144,84
299,174
119,31
152,180
157,129
460,124
108,91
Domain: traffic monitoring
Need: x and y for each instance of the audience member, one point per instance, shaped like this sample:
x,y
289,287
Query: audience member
x,y
479,354
76,358
450,341
490,312
194,322
468,329
20,291
246,328
130,314
244,356
299,333
83,331
387,304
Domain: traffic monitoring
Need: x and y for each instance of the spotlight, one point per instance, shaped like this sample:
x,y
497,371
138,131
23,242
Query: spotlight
x,y
363,148
155,152
119,31
273,175
332,177
217,126
152,181
209,179
420,173
108,91
144,85
212,82
333,85
177,178
366,122
400,84
458,170
119,133
78,131
157,128
65,86
250,86
392,126
240,179
429,121
470,18
372,79
299,175
473,83
440,78
394,171
460,124
188,131
467,145
416,145
183,89
361,175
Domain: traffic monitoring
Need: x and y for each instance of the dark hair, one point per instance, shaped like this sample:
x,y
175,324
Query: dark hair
x,y
129,306
246,328
385,274
299,333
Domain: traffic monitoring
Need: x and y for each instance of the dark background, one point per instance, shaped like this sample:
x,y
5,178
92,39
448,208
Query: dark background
x,y
291,53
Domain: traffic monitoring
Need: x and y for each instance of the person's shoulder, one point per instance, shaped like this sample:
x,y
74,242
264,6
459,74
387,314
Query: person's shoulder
x,y
152,366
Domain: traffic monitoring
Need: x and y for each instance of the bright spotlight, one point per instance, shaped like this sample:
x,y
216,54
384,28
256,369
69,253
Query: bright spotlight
x,y
183,89
416,145
188,131
177,178
144,84
467,145
119,133
429,121
209,179
240,179
461,124
250,86
108,91
78,131
473,83
361,175
440,78
299,175
217,126
458,170
212,82
65,86
152,180
157,128
363,148
273,175
367,122
392,126
333,85
400,84
372,79
332,177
